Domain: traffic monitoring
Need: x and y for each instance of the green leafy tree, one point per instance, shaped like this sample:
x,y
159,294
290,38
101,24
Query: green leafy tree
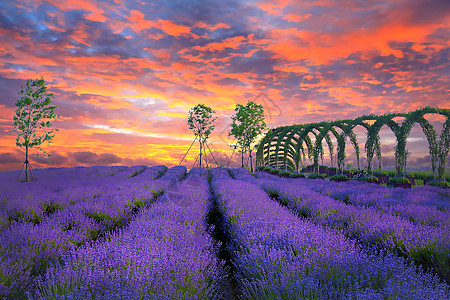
x,y
32,120
248,123
201,122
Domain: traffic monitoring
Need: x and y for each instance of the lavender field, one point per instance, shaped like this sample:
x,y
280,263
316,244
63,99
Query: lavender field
x,y
164,233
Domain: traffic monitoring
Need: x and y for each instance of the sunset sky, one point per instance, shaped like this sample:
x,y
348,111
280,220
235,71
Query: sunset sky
x,y
125,73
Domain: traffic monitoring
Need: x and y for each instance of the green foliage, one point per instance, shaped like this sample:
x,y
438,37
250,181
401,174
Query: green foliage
x,y
439,183
274,171
421,175
137,172
332,168
284,174
377,173
248,123
33,116
200,121
339,178
50,207
273,194
260,168
267,168
391,173
443,147
315,175
297,175
369,179
398,180
341,151
285,145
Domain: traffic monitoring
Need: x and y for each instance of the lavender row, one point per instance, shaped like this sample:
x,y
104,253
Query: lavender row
x,y
31,202
277,255
428,246
421,205
165,253
424,205
27,249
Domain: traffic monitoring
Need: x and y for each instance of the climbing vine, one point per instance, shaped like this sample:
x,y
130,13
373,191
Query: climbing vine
x,y
285,147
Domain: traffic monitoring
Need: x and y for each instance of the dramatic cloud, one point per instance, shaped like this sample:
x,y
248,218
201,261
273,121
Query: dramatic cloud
x,y
125,73
8,158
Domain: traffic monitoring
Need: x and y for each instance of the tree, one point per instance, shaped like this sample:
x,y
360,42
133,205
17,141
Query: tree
x,y
248,123
200,121
33,118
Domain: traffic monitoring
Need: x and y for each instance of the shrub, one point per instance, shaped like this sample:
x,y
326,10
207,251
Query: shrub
x,y
347,171
380,173
267,168
297,175
369,179
439,183
284,174
391,173
315,175
274,171
421,175
332,168
259,168
339,178
398,180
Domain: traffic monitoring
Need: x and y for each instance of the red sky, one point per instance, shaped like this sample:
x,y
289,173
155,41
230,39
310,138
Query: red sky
x,y
125,74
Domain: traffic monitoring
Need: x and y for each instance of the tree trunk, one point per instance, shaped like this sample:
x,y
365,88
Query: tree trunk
x,y
242,157
200,154
251,162
26,163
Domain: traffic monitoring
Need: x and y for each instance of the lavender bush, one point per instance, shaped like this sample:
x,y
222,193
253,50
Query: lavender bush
x,y
279,256
427,244
82,213
142,233
164,253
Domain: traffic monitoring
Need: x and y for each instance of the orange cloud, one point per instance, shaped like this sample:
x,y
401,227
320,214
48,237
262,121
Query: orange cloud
x,y
76,4
131,99
321,48
273,7
233,42
171,28
219,26
294,68
297,18
138,23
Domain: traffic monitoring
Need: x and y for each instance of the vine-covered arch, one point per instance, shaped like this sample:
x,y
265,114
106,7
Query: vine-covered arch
x,y
284,147
438,155
325,133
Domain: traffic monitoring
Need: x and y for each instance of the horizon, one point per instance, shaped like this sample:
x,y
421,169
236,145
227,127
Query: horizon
x,y
125,75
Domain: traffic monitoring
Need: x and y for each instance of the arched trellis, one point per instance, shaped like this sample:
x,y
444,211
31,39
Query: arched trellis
x,y
283,147
324,133
373,137
303,137
347,127
438,149
360,121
